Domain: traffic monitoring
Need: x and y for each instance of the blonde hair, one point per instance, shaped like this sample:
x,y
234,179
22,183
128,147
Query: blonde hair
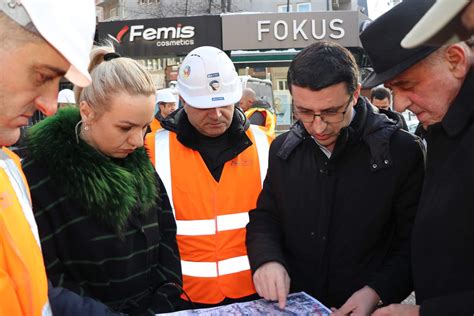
x,y
111,77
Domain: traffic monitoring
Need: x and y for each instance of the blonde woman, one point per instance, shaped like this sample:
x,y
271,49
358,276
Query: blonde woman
x,y
104,218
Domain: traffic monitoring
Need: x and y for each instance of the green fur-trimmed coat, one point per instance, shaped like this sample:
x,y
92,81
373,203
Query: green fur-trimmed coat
x,y
106,226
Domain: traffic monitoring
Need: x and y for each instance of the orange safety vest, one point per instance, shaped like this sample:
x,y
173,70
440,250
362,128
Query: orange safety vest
x,y
211,216
155,125
270,120
23,282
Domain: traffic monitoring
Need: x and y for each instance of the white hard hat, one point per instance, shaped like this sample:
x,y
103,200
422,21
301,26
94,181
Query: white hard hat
x,y
68,25
207,79
66,96
165,95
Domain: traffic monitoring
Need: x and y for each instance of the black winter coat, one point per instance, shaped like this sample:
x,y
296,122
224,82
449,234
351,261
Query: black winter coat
x,y
342,223
443,235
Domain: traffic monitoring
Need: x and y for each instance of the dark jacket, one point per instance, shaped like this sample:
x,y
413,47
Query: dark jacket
x,y
106,231
443,234
396,116
342,223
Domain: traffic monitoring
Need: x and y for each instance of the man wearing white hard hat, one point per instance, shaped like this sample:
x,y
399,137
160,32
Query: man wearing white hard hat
x,y
41,41
446,22
213,163
166,104
66,97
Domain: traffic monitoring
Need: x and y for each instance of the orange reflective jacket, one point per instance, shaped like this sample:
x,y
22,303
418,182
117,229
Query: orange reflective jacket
x,y
155,125
270,120
23,283
211,216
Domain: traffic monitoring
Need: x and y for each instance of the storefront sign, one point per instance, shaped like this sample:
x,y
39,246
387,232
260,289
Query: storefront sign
x,y
164,36
289,30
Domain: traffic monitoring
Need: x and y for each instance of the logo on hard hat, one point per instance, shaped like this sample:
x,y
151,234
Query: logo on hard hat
x,y
214,85
187,71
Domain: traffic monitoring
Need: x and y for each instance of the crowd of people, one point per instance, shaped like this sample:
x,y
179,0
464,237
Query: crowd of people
x,y
128,204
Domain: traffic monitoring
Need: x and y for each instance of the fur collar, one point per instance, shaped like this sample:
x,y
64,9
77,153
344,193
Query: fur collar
x,y
106,188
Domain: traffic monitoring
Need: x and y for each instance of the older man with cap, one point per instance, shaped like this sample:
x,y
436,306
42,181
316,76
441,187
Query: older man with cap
x,y
437,84
212,163
41,42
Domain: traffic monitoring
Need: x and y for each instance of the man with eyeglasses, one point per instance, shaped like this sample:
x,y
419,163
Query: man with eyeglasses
x,y
336,210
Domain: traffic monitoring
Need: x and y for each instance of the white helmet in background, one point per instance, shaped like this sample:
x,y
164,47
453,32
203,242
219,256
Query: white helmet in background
x,y
207,79
66,96
165,95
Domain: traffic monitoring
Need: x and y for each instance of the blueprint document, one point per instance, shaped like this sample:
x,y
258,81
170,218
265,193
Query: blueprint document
x,y
296,304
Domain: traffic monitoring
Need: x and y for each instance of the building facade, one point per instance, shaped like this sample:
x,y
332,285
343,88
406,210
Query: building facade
x,y
260,36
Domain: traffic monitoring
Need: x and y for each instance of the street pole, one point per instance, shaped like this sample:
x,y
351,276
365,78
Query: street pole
x,y
287,5
186,8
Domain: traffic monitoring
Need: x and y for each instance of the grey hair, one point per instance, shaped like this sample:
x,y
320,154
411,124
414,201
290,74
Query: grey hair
x,y
113,77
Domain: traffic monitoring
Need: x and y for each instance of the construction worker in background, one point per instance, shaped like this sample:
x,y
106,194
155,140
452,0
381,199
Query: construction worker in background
x,y
66,98
212,163
166,104
38,48
258,111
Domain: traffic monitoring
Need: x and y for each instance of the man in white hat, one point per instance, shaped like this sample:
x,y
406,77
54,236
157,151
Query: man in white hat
x,y
41,41
212,163
66,97
447,21
166,104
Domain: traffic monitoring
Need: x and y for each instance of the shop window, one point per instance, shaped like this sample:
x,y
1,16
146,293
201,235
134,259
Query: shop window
x,y
113,13
303,7
282,84
283,8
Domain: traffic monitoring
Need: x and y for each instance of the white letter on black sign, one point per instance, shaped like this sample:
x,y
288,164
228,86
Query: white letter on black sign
x,y
261,30
134,33
299,29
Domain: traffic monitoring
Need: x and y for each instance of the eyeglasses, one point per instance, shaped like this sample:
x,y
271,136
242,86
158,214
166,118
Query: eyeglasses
x,y
329,116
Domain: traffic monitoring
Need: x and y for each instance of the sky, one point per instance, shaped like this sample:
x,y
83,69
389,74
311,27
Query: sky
x,y
377,8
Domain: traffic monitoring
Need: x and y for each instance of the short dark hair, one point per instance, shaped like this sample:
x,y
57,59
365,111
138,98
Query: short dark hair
x,y
323,64
380,93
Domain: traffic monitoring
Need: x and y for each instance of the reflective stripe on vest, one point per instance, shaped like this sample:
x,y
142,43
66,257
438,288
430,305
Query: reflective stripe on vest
x,y
211,226
211,216
25,289
16,181
213,269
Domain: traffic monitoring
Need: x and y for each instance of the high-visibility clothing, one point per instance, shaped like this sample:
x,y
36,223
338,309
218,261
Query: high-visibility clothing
x,y
270,120
23,282
155,125
211,216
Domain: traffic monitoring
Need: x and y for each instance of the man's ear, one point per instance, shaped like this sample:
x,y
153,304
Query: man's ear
x,y
458,58
356,94
87,113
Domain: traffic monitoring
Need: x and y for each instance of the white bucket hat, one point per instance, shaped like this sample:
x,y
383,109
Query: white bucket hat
x,y
207,79
68,25
438,26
